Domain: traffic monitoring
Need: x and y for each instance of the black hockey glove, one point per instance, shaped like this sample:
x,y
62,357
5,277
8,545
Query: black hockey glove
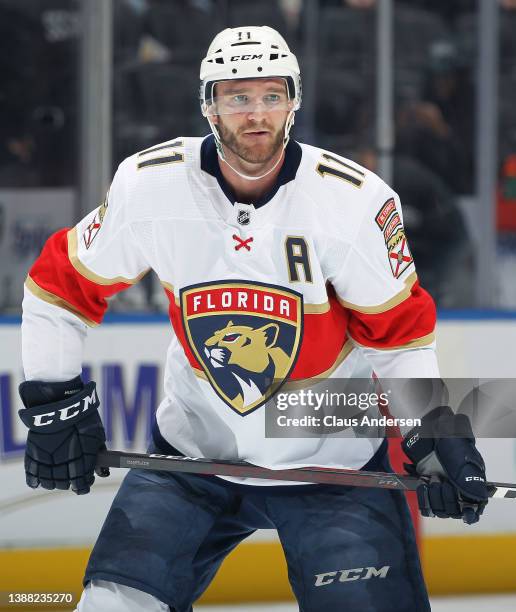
x,y
457,487
65,434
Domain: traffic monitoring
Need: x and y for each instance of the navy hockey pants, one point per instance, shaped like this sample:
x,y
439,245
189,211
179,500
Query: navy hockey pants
x,y
347,549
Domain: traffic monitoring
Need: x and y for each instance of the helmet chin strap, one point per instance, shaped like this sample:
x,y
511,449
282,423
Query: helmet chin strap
x,y
288,124
254,178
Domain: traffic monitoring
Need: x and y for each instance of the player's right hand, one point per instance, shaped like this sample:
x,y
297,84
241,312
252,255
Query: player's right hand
x,y
65,434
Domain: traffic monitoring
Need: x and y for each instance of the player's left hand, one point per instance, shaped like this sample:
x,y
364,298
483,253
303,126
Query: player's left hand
x,y
443,448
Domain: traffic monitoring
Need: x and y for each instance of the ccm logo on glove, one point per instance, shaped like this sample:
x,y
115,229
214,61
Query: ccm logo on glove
x,y
49,417
69,412
411,441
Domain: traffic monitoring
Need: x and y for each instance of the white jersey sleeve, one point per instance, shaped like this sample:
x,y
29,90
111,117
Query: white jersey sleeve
x,y
391,317
67,288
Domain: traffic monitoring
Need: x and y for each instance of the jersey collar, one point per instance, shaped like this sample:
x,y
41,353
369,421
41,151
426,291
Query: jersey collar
x,y
210,164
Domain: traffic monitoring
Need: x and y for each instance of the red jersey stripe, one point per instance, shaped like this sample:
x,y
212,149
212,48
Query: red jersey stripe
x,y
408,324
54,273
174,313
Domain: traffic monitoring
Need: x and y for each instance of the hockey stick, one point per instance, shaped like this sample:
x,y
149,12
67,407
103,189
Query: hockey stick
x,y
316,475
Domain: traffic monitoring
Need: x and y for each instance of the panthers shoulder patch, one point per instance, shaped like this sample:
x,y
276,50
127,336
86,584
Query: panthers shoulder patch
x,y
398,253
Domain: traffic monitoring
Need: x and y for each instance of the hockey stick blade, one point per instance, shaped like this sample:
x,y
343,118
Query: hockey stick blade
x,y
242,469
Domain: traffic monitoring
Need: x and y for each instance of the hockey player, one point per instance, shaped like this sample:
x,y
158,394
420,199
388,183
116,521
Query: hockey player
x,y
281,261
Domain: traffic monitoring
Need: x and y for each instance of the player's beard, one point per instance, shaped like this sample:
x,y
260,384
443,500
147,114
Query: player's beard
x,y
251,153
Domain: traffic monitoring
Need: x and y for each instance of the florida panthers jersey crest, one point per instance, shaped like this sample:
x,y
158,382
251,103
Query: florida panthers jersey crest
x,y
245,335
300,285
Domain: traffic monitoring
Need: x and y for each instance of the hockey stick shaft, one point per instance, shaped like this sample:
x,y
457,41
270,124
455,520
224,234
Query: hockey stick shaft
x,y
242,469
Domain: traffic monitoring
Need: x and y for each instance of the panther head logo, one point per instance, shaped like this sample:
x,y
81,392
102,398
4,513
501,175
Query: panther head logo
x,y
243,337
250,357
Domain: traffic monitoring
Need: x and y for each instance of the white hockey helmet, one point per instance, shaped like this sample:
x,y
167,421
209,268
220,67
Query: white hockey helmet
x,y
247,53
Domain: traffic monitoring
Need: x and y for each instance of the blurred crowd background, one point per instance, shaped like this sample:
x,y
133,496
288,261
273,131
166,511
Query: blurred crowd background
x,y
157,49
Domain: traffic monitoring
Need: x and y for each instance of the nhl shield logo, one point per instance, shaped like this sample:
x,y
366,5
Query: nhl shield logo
x,y
246,337
243,216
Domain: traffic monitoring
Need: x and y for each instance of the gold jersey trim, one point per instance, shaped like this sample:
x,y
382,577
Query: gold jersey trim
x,y
55,300
169,287
317,308
417,342
394,301
200,374
87,273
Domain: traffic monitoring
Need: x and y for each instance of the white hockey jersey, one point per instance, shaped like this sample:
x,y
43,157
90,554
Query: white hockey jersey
x,y
300,285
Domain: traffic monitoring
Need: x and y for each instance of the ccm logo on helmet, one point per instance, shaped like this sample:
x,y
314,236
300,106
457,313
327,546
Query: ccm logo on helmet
x,y
248,56
347,575
69,412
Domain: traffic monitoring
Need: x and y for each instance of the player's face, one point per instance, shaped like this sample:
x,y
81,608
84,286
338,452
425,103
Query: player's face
x,y
252,117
